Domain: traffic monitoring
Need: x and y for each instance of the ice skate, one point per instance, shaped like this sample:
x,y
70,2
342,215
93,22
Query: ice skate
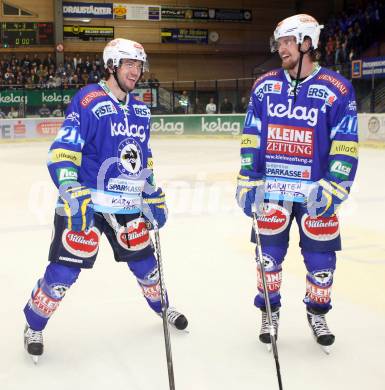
x,y
324,337
264,334
176,319
33,343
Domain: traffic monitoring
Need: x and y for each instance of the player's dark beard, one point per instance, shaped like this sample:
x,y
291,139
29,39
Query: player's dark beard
x,y
290,65
121,84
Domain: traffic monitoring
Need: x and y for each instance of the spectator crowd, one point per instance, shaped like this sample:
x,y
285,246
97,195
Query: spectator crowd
x,y
343,39
347,35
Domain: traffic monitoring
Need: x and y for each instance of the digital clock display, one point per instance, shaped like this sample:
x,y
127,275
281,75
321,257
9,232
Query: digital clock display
x,y
15,34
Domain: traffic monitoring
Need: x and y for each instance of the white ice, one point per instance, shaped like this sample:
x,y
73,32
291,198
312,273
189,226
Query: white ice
x,y
105,336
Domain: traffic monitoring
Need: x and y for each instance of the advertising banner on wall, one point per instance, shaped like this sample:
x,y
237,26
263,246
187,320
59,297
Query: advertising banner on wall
x,y
184,35
212,14
367,68
182,13
36,98
230,15
88,33
87,10
29,128
136,11
229,124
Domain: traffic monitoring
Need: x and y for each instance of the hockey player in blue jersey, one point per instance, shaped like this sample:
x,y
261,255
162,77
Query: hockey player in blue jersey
x,y
299,154
101,163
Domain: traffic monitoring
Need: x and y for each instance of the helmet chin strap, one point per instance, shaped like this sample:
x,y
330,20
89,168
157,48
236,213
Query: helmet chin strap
x,y
301,54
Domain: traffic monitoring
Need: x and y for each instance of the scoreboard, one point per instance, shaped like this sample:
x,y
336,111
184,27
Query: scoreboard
x,y
16,34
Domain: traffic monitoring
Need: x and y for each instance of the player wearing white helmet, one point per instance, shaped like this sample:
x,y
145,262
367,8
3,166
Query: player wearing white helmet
x,y
126,60
293,38
299,158
101,163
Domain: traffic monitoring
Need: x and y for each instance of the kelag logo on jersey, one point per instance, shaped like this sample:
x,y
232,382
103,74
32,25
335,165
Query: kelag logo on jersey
x,y
130,157
268,86
133,130
318,91
297,112
141,111
103,109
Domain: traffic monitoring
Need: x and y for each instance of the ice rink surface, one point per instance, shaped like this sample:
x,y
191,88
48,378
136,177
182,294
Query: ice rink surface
x,y
104,335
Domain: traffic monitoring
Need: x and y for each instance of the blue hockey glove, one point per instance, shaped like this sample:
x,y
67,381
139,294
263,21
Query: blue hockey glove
x,y
250,193
78,207
325,198
154,208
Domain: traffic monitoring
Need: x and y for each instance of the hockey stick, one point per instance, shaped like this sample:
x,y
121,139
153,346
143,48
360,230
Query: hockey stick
x,y
163,301
259,259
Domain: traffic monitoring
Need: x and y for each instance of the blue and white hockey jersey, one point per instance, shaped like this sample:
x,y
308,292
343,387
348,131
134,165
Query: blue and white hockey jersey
x,y
293,144
103,144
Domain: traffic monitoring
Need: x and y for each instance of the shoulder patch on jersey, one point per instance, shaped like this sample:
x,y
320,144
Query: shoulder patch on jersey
x,y
339,84
104,108
141,110
272,73
86,100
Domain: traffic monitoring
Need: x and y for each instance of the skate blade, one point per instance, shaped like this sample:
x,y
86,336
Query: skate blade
x,y
326,349
35,359
269,347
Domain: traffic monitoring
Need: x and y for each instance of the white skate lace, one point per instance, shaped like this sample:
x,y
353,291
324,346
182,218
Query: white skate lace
x,y
34,336
172,315
265,322
319,325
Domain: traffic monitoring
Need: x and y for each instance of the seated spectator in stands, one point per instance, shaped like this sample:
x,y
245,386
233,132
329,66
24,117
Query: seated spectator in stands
x,y
211,107
74,81
44,111
226,106
13,114
26,63
76,61
84,77
153,82
57,112
95,75
51,82
41,84
35,61
198,107
242,105
49,61
98,61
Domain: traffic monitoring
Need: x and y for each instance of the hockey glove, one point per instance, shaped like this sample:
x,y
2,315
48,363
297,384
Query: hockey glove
x,y
250,193
325,198
78,208
155,209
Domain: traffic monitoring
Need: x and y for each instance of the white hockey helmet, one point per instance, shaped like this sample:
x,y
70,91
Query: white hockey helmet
x,y
299,26
121,48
